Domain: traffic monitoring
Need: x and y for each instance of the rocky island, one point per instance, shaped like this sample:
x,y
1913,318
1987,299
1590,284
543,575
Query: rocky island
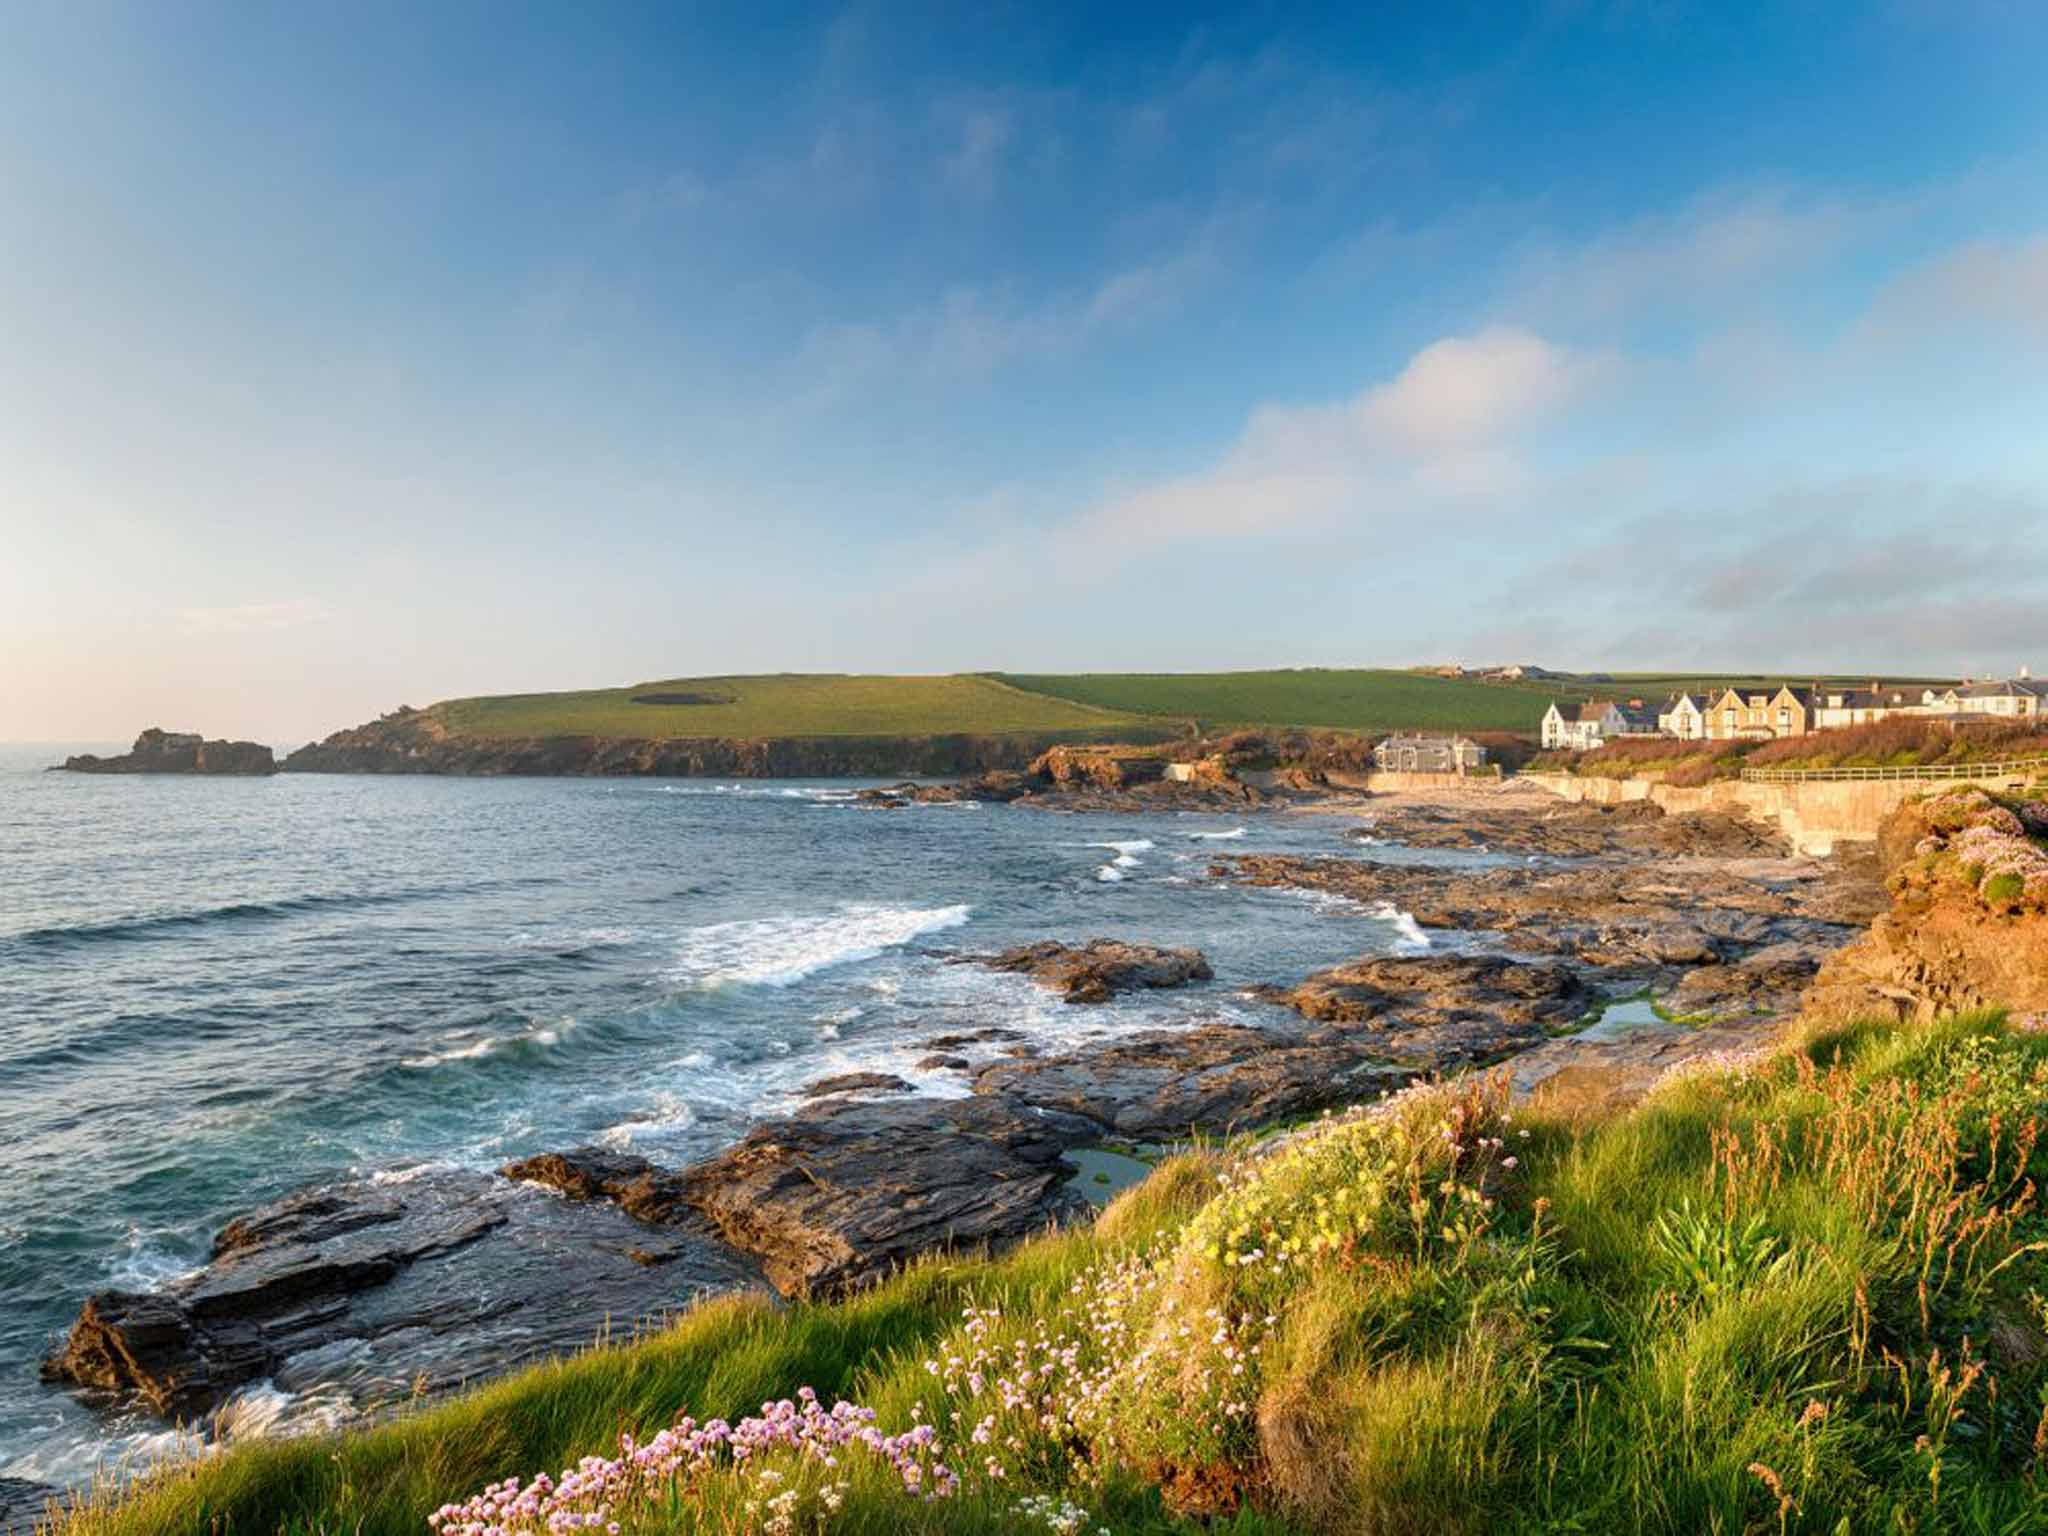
x,y
160,751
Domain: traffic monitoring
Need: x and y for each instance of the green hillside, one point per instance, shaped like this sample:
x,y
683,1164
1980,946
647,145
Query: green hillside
x,y
786,704
1340,699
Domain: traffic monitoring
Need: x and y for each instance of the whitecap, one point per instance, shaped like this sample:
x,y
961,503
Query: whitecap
x,y
1126,858
145,1264
668,1114
781,951
1408,932
1216,837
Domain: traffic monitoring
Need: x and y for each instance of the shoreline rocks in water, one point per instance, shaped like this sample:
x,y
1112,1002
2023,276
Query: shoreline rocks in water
x,y
840,1191
159,751
1098,970
382,1288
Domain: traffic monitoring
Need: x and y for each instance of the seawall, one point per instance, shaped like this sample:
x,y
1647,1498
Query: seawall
x,y
1814,814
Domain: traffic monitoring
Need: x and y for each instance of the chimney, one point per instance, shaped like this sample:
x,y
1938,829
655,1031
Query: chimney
x,y
2026,673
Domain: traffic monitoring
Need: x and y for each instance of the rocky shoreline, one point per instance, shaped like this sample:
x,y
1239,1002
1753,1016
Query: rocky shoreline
x,y
379,1289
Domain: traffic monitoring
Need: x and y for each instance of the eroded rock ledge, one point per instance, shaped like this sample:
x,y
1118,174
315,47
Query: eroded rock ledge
x,y
1098,970
383,1288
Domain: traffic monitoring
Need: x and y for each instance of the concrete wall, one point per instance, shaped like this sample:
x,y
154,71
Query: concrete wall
x,y
1814,814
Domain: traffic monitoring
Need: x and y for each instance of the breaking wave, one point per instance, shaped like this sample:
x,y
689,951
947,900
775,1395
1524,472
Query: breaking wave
x,y
781,951
1126,857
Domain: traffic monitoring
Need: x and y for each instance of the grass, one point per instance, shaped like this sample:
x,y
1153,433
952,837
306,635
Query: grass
x,y
792,704
1801,1294
1335,699
1093,707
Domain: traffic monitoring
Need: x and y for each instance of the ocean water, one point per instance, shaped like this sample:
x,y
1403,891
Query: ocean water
x,y
214,991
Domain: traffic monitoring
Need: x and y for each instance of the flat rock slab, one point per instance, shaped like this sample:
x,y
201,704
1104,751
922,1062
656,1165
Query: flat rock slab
x,y
1171,1083
1096,971
1639,919
1435,1011
1583,830
842,1191
382,1289
857,1082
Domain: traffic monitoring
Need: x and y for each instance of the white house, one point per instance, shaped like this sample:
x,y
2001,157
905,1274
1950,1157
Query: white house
x,y
1586,728
1682,716
2019,698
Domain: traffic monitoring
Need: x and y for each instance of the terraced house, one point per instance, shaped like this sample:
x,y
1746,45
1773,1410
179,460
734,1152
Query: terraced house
x,y
2016,698
1757,716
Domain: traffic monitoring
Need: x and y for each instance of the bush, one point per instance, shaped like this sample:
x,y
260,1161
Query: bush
x,y
2004,890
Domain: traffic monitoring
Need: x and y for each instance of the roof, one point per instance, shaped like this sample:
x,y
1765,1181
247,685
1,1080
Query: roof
x,y
1595,710
2011,688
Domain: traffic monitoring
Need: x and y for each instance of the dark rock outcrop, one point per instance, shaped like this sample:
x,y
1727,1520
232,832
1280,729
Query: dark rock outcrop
x,y
840,1192
386,1288
857,1082
1096,971
1440,1010
157,751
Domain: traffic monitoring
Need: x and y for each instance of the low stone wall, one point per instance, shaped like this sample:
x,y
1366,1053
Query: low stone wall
x,y
1813,814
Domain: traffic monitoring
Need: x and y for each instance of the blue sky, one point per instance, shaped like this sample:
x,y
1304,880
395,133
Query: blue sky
x,y
401,351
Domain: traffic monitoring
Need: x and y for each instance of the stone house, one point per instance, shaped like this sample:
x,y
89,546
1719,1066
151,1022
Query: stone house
x,y
1428,754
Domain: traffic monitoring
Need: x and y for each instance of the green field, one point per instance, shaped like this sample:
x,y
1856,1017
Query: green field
x,y
1089,706
786,704
1339,699
1799,1295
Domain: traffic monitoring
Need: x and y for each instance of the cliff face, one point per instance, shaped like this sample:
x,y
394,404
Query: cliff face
x,y
159,751
418,741
1968,925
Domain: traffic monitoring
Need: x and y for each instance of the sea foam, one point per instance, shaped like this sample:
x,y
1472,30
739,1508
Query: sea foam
x,y
1126,857
781,951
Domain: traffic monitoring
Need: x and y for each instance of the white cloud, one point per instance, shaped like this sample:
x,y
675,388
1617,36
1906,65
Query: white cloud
x,y
1442,430
1720,250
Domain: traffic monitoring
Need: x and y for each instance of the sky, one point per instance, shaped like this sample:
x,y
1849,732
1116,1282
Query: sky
x,y
366,355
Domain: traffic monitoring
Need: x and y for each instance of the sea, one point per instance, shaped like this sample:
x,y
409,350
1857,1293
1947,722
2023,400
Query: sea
x,y
215,991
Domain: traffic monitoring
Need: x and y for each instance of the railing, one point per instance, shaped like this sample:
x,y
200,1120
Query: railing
x,y
2035,765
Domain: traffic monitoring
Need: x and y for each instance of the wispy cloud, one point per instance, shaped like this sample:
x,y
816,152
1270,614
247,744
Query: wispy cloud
x,y
1441,430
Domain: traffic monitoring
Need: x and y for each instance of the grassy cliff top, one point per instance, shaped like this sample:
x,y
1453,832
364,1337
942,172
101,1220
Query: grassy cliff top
x,y
1347,699
1135,706
784,704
